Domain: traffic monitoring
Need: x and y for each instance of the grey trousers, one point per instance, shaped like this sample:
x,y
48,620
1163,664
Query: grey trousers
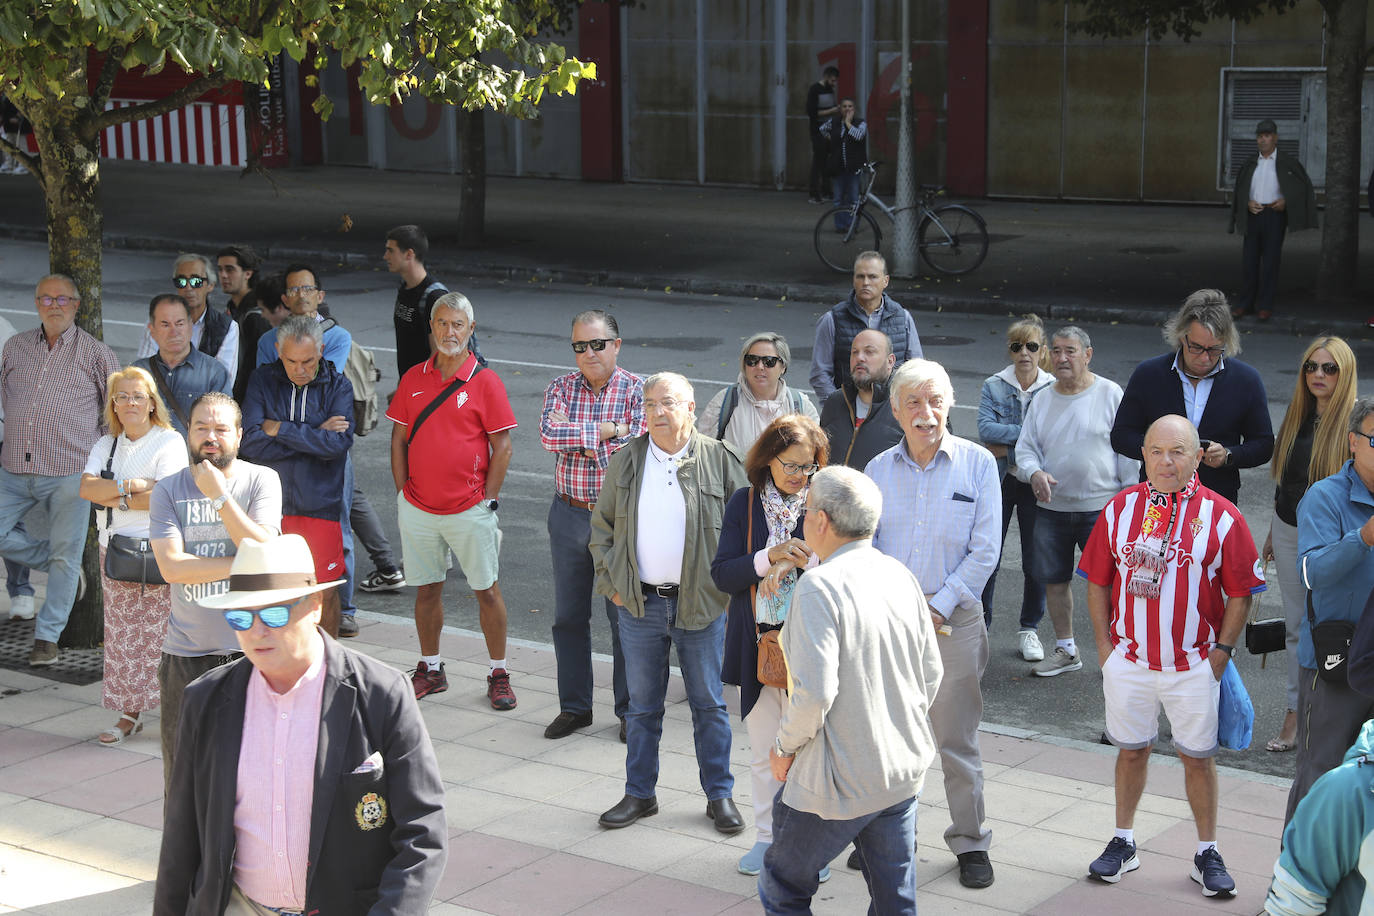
x,y
367,528
174,672
1329,721
954,718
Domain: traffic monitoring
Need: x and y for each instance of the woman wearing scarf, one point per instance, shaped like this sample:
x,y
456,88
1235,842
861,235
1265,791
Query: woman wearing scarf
x,y
757,563
740,413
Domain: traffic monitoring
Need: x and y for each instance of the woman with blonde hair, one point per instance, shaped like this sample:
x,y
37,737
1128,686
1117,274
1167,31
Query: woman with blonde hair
x,y
140,449
1311,444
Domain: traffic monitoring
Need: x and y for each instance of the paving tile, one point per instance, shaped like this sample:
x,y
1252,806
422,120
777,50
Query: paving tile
x,y
447,723
1269,823
1090,819
1008,751
31,879
1031,885
524,739
112,793
33,707
558,883
659,895
1250,853
535,781
38,776
646,847
1044,850
28,820
109,845
1100,899
88,721
597,795
1256,796
134,900
545,825
476,858
148,815
460,762
1045,782
590,753
1016,804
19,744
453,909
1072,763
467,808
930,902
1155,804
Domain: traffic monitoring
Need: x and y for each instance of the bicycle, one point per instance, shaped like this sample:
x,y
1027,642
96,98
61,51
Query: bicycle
x,y
952,238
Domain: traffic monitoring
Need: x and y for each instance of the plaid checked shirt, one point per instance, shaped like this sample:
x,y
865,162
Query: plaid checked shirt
x,y
620,401
54,400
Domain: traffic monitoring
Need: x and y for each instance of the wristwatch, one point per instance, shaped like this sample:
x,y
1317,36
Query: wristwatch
x,y
1229,650
492,504
124,503
218,502
777,748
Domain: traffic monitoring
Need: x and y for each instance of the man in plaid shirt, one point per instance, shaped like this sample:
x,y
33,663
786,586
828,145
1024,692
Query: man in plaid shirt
x,y
588,415
52,382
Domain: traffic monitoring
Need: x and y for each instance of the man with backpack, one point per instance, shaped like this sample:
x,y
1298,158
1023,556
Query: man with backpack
x,y
405,253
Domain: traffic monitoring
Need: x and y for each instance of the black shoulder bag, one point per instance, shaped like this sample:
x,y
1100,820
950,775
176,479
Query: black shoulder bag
x,y
128,559
433,405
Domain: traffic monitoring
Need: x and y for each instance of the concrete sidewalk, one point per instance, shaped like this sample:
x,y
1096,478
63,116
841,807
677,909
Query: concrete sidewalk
x,y
81,823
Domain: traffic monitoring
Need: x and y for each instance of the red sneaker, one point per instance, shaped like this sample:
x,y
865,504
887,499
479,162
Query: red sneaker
x,y
426,681
498,690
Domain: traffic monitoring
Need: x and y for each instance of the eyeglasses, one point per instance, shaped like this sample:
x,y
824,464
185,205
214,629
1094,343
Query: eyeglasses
x,y
770,361
790,468
1369,436
126,398
599,344
1199,349
668,404
59,301
301,290
1030,345
193,282
274,617
1310,367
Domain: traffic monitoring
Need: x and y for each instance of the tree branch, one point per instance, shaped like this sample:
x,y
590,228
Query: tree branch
x,y
170,102
28,161
105,84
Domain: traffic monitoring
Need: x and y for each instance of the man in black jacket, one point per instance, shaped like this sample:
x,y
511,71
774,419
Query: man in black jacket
x,y
820,105
856,416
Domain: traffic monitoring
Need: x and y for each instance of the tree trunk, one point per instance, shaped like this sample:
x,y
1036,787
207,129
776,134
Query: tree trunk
x,y
69,162
1344,72
472,206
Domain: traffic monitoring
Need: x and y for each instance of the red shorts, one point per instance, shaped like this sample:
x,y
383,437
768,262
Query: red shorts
x,y
326,543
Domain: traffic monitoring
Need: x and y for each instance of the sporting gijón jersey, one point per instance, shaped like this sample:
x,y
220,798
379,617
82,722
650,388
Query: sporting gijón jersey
x,y
1210,555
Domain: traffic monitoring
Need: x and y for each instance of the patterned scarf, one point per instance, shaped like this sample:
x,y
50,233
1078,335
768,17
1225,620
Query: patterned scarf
x,y
1148,558
780,512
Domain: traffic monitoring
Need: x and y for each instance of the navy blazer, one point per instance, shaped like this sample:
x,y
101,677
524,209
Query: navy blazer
x,y
1237,416
366,706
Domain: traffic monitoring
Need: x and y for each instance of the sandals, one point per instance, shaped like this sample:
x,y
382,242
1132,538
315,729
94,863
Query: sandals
x,y
1279,747
116,735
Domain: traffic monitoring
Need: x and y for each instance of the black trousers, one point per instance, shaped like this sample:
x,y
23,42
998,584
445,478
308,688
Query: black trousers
x,y
1264,233
820,152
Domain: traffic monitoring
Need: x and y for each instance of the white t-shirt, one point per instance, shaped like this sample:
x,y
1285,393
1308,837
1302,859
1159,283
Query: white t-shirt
x,y
156,454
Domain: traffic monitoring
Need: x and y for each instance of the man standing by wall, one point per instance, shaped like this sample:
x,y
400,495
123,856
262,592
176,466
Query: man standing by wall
x,y
820,105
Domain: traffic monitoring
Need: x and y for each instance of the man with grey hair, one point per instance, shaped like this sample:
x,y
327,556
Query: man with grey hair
x,y
450,449
182,372
1065,453
1335,533
864,666
868,306
1201,379
212,332
655,529
298,421
942,517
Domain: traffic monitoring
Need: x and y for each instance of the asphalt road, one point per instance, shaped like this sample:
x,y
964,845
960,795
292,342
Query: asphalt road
x,y
523,328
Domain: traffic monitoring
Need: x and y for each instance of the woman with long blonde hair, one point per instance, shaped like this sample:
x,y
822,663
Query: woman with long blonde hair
x,y
1311,444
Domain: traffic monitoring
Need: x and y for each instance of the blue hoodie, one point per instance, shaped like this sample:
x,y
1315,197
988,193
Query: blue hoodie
x,y
1328,850
310,461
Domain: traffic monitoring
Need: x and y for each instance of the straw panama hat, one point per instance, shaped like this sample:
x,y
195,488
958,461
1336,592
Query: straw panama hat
x,y
269,572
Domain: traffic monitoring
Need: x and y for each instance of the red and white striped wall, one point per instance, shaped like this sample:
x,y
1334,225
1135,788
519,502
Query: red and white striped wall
x,y
202,133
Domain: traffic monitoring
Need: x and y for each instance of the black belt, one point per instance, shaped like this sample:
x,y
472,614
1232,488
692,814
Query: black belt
x,y
662,591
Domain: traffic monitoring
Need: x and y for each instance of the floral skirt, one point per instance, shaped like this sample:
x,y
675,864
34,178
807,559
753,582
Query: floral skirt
x,y
135,623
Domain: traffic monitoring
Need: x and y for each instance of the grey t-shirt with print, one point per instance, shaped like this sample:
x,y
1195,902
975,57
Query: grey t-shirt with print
x,y
179,509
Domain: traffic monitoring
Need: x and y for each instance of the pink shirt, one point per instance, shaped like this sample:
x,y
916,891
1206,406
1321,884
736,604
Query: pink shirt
x,y
276,787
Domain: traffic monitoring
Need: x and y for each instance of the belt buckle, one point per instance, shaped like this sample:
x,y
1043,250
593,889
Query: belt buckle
x,y
665,591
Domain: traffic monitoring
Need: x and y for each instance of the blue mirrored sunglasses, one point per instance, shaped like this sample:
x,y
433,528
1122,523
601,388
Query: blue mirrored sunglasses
x,y
276,616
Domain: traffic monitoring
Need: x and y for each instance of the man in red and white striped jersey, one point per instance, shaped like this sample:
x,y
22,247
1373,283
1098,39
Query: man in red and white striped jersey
x,y
1171,567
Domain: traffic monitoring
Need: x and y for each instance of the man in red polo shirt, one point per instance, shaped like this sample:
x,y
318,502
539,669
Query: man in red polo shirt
x,y
450,449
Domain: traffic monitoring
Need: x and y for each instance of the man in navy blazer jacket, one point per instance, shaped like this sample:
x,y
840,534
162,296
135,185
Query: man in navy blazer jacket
x,y
1203,381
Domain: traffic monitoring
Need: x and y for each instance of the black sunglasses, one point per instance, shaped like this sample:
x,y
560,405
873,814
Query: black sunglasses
x,y
1329,368
1030,345
770,361
275,616
599,344
193,282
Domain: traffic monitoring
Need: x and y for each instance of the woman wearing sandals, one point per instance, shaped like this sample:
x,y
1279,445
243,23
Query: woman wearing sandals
x,y
756,563
1311,444
140,450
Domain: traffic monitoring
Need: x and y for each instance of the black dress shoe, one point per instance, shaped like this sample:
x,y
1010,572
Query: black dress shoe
x,y
629,810
566,723
622,729
974,869
855,862
725,814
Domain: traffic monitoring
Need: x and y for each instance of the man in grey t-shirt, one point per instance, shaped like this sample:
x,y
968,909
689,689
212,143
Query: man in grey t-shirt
x,y
198,518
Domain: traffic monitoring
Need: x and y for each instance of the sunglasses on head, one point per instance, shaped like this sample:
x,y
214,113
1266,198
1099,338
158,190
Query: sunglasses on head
x,y
1030,345
598,344
1310,367
193,282
275,616
770,361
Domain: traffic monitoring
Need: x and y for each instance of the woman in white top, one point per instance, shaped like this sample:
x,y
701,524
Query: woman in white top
x,y
140,450
758,398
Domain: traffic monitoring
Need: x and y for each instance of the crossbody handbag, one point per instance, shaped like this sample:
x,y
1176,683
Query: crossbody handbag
x,y
128,559
1331,643
772,664
1265,633
433,405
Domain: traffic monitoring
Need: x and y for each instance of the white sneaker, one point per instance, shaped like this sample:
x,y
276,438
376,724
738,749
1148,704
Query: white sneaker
x,y
1031,650
21,607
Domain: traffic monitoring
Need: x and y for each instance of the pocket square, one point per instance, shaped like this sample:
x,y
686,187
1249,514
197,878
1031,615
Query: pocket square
x,y
961,498
371,764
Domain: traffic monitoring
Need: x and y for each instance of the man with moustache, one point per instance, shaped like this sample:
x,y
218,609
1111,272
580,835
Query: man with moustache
x,y
212,332
856,415
182,372
198,518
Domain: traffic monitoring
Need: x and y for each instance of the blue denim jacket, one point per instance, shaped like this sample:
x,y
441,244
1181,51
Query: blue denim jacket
x,y
999,410
1334,561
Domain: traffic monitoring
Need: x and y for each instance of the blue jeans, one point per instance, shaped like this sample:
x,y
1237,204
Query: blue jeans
x,y
1018,497
645,642
17,574
346,605
1056,535
570,529
805,843
60,555
846,193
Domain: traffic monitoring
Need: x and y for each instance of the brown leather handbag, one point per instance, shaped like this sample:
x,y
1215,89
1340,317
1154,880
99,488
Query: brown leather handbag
x,y
772,664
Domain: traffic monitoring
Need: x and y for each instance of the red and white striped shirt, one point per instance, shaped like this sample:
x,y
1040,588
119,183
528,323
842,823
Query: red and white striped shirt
x,y
1211,555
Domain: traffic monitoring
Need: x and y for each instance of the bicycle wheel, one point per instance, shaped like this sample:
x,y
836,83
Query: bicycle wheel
x,y
838,249
952,239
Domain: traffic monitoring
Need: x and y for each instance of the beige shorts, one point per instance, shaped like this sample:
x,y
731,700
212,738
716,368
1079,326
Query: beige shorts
x,y
472,535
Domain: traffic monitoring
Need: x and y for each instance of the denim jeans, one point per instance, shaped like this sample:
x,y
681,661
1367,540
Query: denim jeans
x,y
645,642
804,843
17,575
1018,497
346,605
1056,535
846,193
570,528
60,555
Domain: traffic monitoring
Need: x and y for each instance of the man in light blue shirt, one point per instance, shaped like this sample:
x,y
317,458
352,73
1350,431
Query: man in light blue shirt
x,y
942,513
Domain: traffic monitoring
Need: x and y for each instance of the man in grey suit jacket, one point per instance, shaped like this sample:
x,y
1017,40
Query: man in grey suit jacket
x,y
306,781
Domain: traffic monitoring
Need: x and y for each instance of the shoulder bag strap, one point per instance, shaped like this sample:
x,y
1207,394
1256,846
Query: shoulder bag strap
x,y
753,589
433,405
162,385
109,466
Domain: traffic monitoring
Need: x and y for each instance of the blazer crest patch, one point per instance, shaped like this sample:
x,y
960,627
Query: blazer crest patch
x,y
370,812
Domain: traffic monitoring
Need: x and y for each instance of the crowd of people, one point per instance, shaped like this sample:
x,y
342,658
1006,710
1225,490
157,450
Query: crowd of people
x,y
833,559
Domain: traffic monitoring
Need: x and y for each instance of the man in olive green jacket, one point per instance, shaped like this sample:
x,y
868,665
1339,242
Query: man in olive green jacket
x,y
654,534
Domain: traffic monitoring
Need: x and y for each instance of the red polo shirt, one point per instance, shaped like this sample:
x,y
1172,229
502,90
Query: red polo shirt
x,y
448,460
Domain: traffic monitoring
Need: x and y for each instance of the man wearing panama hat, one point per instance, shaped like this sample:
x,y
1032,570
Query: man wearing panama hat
x,y
306,780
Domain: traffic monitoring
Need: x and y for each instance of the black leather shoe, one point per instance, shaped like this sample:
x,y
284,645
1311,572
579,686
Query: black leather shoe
x,y
622,729
974,869
566,723
725,814
629,810
854,862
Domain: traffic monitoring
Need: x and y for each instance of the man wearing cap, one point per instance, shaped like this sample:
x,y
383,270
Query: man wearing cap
x,y
314,787
1273,194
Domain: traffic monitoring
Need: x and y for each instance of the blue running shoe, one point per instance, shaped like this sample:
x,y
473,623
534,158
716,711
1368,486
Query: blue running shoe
x,y
1210,872
1118,858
